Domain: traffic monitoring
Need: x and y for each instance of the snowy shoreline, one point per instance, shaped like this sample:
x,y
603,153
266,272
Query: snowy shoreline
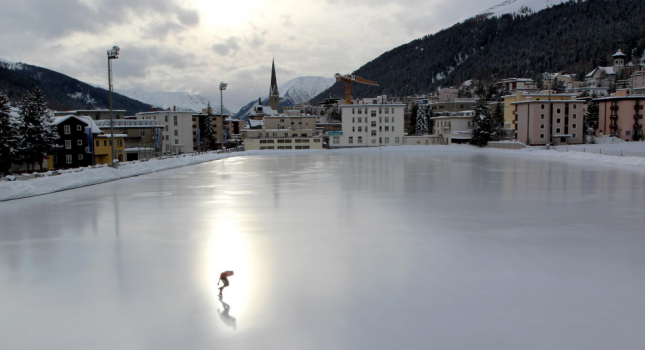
x,y
24,189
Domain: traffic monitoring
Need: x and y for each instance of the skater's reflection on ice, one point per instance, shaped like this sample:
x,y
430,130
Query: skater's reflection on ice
x,y
225,316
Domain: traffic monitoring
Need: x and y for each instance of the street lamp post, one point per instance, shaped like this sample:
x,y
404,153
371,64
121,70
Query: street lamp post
x,y
112,54
222,87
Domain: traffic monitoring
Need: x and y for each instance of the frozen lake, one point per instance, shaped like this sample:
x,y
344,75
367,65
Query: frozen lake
x,y
429,248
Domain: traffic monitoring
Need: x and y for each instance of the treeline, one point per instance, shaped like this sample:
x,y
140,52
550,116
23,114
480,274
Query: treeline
x,y
62,92
572,37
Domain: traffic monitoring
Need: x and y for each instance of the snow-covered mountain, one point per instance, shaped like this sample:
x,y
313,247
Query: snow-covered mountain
x,y
293,92
11,65
521,6
184,101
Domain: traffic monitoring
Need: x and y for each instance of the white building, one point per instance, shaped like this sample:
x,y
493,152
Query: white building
x,y
454,127
372,123
179,128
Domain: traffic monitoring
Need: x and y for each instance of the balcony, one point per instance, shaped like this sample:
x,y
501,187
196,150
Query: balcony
x,y
638,107
613,117
613,108
638,126
613,127
638,117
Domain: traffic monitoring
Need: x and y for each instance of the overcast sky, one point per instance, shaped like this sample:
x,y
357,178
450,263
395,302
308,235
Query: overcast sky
x,y
191,45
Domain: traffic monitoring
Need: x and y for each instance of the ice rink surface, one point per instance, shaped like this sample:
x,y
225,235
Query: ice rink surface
x,y
361,249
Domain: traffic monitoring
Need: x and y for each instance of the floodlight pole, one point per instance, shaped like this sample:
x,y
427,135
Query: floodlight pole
x,y
222,87
112,54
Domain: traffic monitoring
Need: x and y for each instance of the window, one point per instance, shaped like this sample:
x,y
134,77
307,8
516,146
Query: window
x,y
68,158
143,133
176,142
176,132
574,135
353,120
558,111
78,128
79,142
337,139
373,112
392,128
360,129
541,126
575,116
542,116
360,111
165,128
104,143
387,110
373,123
627,133
558,130
360,119
167,138
360,139
166,119
55,159
387,128
575,106
396,140
353,111
392,118
541,136
316,140
574,126
281,120
380,129
288,141
379,111
558,119
366,111
97,143
387,119
68,130
373,132
174,120
380,140
380,119
68,143
80,157
373,140
387,140
353,129
541,106
119,143
351,139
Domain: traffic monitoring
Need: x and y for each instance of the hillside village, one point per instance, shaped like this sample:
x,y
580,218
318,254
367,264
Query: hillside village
x,y
559,109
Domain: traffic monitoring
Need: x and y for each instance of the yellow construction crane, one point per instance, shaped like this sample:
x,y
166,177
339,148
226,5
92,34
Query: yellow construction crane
x,y
348,80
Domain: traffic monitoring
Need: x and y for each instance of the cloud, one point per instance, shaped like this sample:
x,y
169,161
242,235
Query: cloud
x,y
286,21
60,18
230,45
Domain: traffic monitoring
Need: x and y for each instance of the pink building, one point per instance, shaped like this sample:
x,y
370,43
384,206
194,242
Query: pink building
x,y
555,122
621,116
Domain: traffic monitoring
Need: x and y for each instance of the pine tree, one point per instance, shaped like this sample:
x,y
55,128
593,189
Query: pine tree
x,y
208,139
421,127
36,137
558,86
412,123
483,129
8,136
591,119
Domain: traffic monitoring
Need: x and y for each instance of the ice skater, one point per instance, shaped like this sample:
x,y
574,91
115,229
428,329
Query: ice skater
x,y
223,277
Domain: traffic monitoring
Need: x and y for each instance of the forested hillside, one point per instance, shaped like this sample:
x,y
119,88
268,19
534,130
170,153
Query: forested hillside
x,y
61,92
573,37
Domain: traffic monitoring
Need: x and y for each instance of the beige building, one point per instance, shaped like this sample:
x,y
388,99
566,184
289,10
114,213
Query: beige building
x,y
519,96
513,85
178,130
373,123
283,132
555,123
453,127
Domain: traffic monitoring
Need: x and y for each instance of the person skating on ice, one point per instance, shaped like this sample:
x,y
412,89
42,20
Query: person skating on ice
x,y
223,277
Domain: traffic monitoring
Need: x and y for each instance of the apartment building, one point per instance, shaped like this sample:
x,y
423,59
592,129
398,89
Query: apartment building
x,y
283,132
218,125
549,122
513,85
370,125
457,105
178,130
621,116
519,96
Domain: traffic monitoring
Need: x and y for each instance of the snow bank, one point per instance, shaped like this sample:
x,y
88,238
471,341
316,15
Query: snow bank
x,y
612,159
70,179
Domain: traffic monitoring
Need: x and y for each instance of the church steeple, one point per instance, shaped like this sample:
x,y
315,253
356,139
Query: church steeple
x,y
274,94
